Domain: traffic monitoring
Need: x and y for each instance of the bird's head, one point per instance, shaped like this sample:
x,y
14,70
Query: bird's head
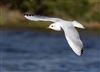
x,y
54,27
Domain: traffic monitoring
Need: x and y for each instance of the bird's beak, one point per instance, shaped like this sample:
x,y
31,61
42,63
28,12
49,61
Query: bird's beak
x,y
48,27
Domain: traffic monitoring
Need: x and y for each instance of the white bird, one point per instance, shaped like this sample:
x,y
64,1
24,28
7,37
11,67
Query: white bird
x,y
68,27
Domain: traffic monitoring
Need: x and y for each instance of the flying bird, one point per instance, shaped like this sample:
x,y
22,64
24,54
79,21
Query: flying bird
x,y
68,27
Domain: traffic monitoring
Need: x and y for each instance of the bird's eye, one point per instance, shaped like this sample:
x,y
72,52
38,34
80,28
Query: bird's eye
x,y
52,26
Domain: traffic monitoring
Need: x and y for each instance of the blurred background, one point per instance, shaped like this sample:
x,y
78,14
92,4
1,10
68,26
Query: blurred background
x,y
27,46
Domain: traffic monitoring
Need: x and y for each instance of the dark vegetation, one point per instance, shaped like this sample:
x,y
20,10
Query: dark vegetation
x,y
86,11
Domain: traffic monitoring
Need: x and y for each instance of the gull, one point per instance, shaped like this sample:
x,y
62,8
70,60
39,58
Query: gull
x,y
68,27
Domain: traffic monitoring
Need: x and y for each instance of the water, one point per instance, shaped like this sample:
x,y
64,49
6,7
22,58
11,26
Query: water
x,y
41,51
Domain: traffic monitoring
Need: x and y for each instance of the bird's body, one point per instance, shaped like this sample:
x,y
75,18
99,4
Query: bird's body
x,y
68,27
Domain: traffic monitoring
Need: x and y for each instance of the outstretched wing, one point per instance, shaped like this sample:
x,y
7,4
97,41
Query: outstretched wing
x,y
73,38
41,18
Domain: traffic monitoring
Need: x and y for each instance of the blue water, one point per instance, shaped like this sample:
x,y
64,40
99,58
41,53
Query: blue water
x,y
47,51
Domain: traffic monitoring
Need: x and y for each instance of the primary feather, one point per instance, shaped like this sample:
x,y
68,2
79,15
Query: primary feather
x,y
41,18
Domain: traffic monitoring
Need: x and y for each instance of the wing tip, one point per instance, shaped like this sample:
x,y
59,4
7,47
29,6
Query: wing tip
x,y
30,17
28,14
80,53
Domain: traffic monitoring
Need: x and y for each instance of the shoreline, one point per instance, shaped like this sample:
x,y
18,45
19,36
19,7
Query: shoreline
x,y
33,27
93,25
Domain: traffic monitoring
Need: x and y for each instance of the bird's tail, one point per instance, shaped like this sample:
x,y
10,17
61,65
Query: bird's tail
x,y
77,24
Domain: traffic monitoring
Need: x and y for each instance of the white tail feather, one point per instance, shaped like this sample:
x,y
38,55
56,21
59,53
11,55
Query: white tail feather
x,y
77,24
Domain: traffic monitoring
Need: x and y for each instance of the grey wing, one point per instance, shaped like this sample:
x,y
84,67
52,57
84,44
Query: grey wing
x,y
73,39
41,18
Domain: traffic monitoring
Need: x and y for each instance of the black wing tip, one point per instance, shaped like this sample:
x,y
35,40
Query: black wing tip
x,y
28,14
82,52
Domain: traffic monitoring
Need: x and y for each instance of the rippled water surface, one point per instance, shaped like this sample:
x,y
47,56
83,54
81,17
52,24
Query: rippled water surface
x,y
41,51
